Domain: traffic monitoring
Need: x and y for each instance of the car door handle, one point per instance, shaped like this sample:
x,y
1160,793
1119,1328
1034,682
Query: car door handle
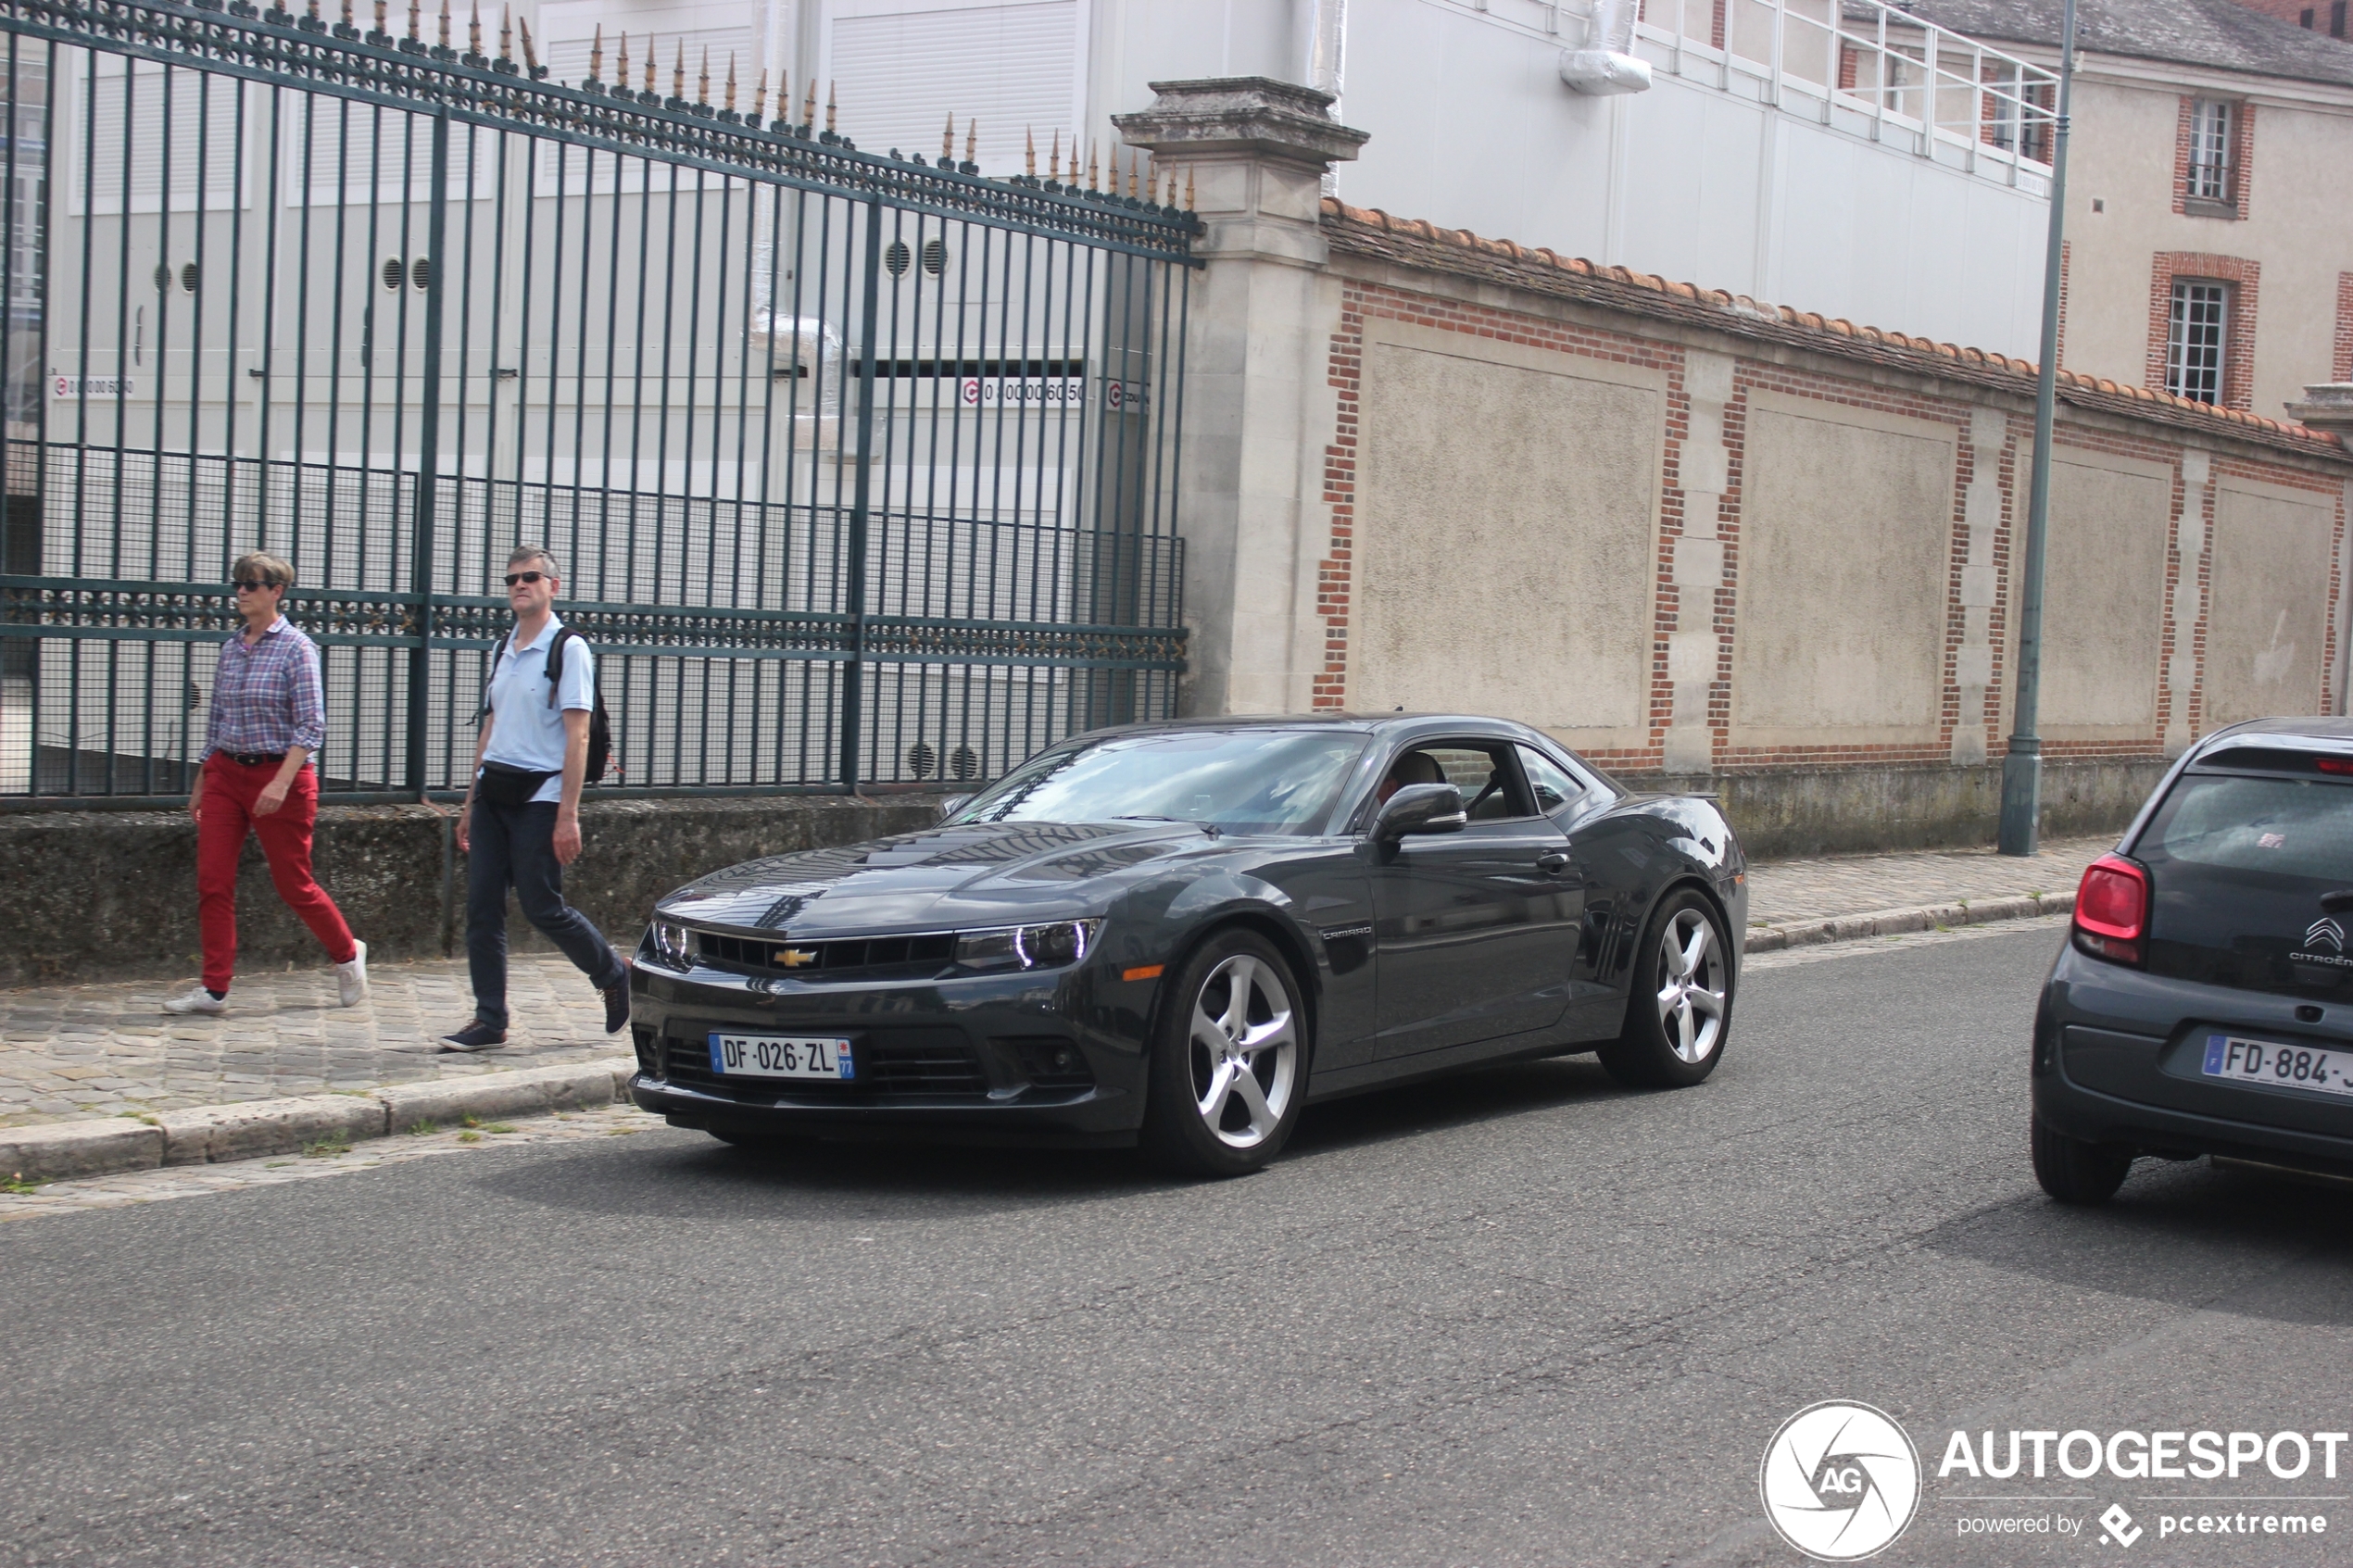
x,y
1552,862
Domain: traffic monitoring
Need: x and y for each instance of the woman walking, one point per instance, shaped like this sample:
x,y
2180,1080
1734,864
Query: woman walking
x,y
269,715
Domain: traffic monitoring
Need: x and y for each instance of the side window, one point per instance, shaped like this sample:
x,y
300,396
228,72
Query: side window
x,y
1490,788
1553,786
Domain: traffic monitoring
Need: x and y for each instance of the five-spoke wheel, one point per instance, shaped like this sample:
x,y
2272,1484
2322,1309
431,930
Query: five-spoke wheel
x,y
1230,1061
1682,1003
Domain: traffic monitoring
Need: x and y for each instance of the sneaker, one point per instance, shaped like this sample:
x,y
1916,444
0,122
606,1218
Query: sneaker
x,y
474,1036
199,999
351,979
617,998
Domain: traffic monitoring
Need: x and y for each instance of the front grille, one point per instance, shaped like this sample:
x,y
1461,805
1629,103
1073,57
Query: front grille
x,y
891,1063
826,960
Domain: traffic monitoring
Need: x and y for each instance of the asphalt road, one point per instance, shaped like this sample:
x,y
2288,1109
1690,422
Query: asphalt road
x,y
1520,1317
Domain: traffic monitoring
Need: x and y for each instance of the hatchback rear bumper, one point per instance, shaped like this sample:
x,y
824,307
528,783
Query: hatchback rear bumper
x,y
2117,1053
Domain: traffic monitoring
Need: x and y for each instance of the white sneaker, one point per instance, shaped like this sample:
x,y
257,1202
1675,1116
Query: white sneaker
x,y
199,999
351,979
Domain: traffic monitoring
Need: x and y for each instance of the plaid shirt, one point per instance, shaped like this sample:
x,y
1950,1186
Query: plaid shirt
x,y
267,698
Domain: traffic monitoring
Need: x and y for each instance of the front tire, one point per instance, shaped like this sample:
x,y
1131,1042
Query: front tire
x,y
1680,1013
2074,1172
1229,1069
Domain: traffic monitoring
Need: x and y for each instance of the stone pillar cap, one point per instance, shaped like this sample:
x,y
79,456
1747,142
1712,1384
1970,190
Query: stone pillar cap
x,y
1242,114
2326,407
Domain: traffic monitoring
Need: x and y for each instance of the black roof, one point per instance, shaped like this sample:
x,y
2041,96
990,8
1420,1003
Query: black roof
x,y
2221,34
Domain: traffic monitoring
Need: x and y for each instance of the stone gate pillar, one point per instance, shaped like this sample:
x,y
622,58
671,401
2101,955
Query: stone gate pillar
x,y
1258,404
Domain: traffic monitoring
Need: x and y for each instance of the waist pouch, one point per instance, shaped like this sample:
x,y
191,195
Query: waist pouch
x,y
503,784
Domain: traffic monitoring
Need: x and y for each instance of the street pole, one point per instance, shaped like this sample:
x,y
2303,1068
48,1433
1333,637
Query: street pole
x,y
2022,769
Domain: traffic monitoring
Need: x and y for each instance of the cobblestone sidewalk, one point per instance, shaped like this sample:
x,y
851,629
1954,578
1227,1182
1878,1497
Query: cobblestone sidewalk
x,y
70,1051
76,1051
1781,891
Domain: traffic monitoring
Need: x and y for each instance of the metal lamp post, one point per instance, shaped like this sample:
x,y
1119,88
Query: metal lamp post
x,y
2022,769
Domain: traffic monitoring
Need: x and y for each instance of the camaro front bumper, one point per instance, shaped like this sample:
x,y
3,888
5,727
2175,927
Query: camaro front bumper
x,y
2117,1054
1054,1057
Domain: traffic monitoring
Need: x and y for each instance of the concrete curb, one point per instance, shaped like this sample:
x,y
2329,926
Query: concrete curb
x,y
55,1150
1890,923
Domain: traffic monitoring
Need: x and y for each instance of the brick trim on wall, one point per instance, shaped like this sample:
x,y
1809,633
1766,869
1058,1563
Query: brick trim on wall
x,y
2341,362
2238,347
2242,160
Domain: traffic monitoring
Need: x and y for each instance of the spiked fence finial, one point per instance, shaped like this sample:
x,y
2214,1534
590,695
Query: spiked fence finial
x,y
474,38
314,12
506,32
415,7
948,141
1054,158
730,104
650,53
379,19
702,78
530,55
831,89
1094,160
972,141
1135,160
678,72
1029,151
808,106
444,25
759,95
1189,190
621,68
595,53
347,13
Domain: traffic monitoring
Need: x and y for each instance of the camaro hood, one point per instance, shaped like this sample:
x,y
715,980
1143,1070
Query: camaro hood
x,y
941,877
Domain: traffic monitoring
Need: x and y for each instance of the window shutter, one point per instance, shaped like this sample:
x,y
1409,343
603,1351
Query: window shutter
x,y
901,73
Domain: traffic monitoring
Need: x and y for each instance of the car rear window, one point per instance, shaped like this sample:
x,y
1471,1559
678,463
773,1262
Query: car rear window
x,y
2299,828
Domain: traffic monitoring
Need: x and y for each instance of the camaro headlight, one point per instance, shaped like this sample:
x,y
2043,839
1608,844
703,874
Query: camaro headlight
x,y
668,944
1057,946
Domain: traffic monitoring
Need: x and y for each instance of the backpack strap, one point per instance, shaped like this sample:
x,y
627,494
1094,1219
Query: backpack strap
x,y
556,661
490,675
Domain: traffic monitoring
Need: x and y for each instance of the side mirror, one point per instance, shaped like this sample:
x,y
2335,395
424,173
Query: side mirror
x,y
1431,807
952,805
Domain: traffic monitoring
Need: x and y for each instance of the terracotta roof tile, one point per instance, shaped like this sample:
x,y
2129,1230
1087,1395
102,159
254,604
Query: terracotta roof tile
x,y
1711,306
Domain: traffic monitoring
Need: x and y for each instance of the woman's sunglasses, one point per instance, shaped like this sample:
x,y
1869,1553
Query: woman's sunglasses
x,y
515,577
251,585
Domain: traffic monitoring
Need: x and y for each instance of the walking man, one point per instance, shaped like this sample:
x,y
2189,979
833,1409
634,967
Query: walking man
x,y
254,776
521,824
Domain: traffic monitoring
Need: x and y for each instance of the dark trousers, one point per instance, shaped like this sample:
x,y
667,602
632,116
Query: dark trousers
x,y
515,847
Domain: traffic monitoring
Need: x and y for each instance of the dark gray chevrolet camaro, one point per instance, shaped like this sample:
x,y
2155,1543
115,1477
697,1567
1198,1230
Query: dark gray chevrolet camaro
x,y
1180,934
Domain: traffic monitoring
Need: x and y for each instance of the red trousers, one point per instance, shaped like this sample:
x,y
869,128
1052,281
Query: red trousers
x,y
230,790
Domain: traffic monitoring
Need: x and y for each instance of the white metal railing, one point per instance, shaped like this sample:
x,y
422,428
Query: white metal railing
x,y
1860,65
1870,66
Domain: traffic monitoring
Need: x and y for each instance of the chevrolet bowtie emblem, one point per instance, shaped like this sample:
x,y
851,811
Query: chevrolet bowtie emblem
x,y
794,957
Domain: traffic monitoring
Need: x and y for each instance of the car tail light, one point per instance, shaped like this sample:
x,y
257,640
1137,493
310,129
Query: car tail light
x,y
2334,764
2112,909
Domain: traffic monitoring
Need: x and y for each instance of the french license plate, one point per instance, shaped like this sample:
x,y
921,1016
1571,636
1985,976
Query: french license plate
x,y
781,1056
2266,1062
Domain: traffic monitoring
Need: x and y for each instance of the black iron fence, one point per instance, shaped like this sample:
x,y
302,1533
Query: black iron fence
x,y
860,468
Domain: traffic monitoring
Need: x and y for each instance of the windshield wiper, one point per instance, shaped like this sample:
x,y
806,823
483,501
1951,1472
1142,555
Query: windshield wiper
x,y
1208,828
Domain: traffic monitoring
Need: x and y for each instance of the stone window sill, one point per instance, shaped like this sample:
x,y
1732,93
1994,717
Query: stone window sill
x,y
2206,206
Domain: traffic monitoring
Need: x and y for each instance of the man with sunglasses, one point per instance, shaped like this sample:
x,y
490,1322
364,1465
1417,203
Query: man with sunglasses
x,y
254,777
521,824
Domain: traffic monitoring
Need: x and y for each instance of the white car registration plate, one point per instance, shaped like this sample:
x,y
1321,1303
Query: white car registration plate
x,y
2266,1062
781,1056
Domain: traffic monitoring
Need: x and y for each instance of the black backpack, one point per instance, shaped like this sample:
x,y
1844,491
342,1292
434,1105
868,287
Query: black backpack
x,y
600,726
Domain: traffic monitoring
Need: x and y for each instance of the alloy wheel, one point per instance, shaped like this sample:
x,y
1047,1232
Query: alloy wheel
x,y
1691,986
1244,1052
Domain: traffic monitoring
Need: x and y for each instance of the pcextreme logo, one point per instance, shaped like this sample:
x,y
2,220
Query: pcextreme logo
x,y
1841,1481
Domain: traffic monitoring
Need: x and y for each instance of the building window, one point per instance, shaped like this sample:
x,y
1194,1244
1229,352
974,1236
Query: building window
x,y
2337,18
2194,335
2211,162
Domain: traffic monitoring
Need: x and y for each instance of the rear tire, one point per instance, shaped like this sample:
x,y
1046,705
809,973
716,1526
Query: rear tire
x,y
1228,1070
2074,1172
1679,1013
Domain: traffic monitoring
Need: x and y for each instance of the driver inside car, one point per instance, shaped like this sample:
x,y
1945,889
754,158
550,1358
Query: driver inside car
x,y
1414,768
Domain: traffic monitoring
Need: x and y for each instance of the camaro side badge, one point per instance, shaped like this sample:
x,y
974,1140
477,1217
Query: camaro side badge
x,y
1345,932
2326,933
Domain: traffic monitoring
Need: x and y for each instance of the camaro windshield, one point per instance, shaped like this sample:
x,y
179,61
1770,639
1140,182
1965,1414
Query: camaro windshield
x,y
1237,781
